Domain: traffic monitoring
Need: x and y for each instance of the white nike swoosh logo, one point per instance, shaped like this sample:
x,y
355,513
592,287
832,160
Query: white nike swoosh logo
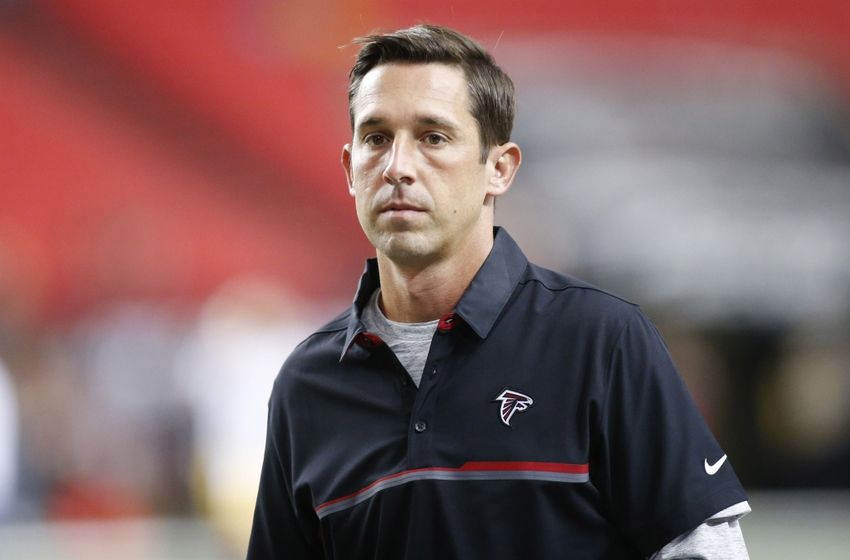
x,y
711,470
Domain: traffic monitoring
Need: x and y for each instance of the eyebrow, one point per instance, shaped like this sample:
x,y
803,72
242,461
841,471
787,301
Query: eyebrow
x,y
429,120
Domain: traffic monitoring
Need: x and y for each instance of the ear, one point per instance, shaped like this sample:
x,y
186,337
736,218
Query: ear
x,y
503,162
346,164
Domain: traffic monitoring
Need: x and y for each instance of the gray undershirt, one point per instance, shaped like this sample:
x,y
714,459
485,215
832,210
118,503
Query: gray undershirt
x,y
410,342
718,538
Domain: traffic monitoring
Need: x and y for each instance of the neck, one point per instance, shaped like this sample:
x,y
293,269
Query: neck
x,y
411,294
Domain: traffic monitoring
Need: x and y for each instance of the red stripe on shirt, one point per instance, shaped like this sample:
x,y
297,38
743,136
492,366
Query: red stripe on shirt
x,y
473,466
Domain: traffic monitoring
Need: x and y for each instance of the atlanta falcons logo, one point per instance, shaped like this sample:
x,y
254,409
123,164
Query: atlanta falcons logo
x,y
512,402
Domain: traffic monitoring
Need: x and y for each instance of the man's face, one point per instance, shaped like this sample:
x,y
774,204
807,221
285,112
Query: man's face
x,y
413,165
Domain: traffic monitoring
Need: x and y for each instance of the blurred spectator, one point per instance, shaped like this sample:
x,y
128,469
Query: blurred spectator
x,y
23,273
129,432
8,443
226,369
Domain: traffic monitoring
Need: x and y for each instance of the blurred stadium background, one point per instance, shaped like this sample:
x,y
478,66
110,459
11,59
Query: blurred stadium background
x,y
173,220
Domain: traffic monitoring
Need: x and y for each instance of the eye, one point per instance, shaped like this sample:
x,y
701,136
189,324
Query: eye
x,y
434,139
375,140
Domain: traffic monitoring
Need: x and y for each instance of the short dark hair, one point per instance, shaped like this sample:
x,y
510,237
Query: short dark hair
x,y
491,91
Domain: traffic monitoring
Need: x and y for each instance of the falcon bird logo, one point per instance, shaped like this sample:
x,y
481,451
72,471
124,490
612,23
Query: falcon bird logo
x,y
512,402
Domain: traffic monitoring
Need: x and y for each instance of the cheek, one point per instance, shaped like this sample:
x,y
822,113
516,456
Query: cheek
x,y
365,163
361,200
361,183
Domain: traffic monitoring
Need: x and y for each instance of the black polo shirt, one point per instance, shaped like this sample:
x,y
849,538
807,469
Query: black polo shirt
x,y
549,423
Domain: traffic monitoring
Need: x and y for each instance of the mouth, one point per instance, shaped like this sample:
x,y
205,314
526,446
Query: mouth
x,y
399,208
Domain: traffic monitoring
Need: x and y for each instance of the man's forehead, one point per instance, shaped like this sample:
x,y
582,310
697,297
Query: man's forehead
x,y
431,89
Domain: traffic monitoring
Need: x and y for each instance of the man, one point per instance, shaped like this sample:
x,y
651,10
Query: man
x,y
471,404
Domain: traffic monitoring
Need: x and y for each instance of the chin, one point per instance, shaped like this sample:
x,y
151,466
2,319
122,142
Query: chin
x,y
405,248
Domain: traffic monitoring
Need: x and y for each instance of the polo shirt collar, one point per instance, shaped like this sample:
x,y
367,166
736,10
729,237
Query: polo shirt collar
x,y
493,284
481,303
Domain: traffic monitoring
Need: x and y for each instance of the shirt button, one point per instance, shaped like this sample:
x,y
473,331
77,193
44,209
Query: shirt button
x,y
446,323
420,426
368,340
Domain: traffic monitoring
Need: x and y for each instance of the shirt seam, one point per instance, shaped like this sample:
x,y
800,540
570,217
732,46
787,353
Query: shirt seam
x,y
609,368
587,288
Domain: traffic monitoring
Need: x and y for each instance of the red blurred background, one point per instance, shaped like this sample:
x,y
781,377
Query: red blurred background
x,y
155,150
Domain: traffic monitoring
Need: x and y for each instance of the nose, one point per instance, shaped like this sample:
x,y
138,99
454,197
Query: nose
x,y
400,166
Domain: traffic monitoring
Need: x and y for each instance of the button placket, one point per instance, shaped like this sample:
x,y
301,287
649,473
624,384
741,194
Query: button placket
x,y
423,415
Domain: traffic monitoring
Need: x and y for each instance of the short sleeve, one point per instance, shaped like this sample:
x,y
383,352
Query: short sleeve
x,y
655,461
